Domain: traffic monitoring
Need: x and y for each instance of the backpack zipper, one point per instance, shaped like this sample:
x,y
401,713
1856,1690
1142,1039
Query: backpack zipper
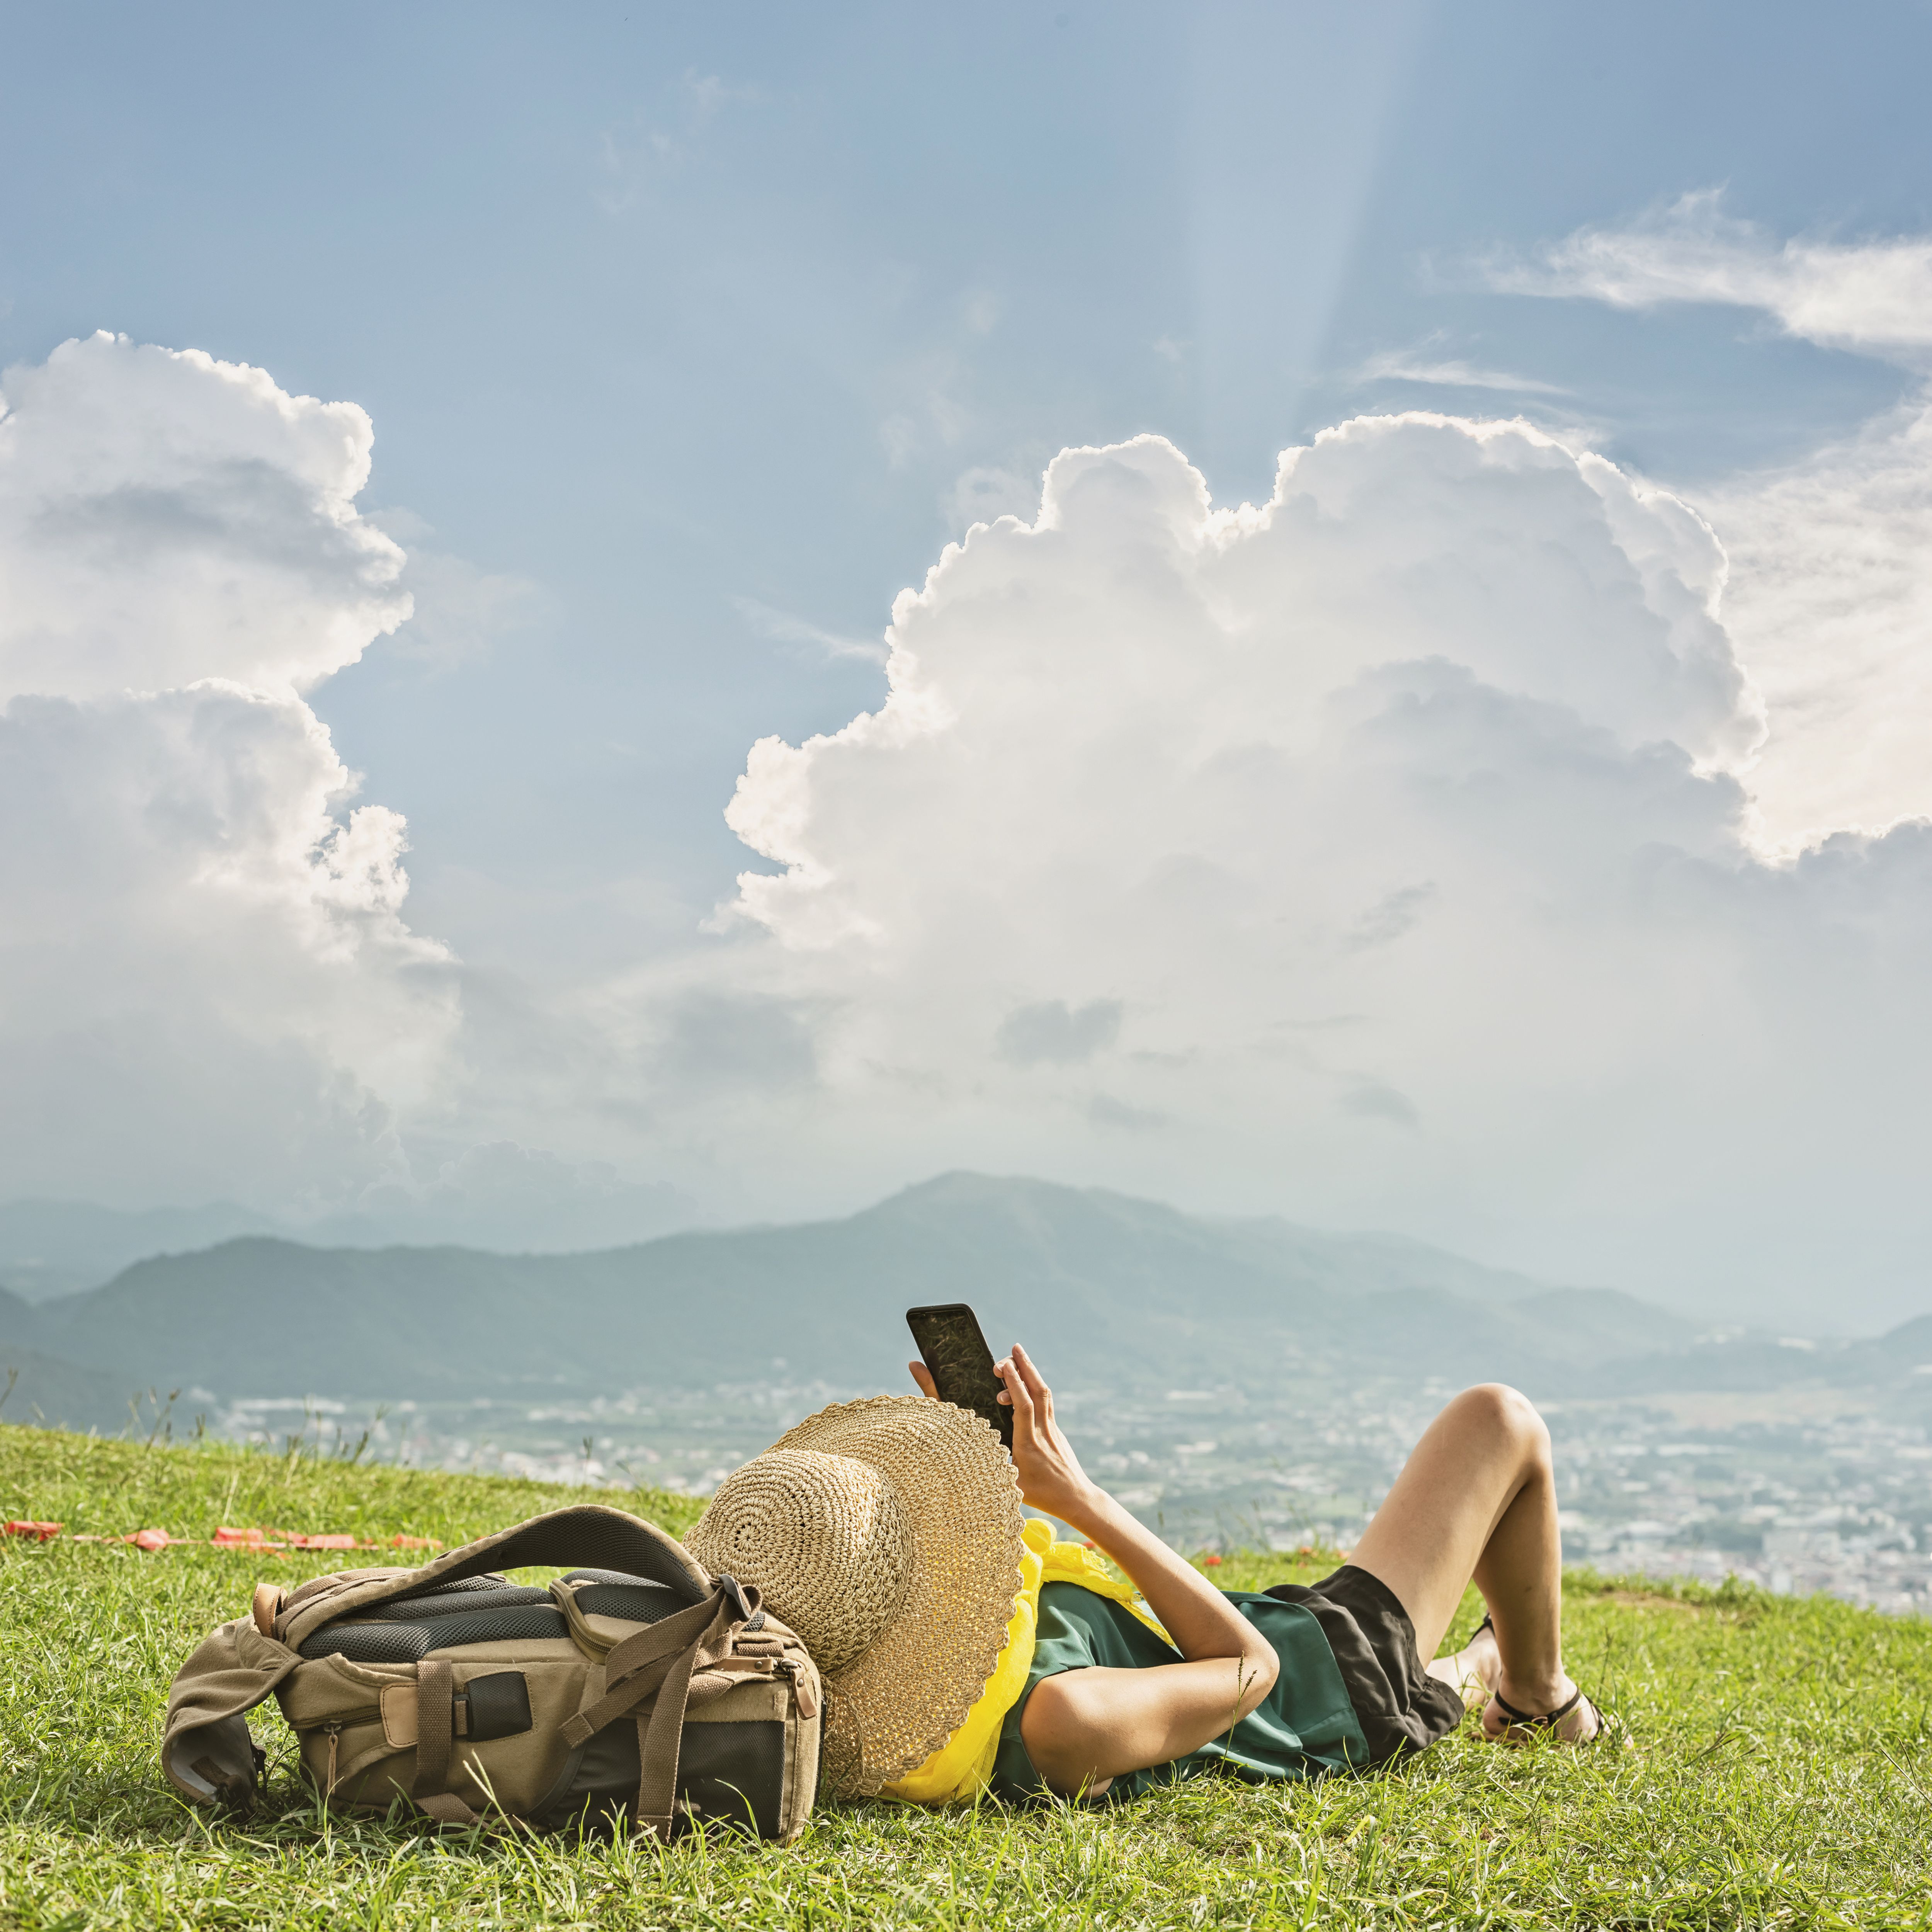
x,y
333,1729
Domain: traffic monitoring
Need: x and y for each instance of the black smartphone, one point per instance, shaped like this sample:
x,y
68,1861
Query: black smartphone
x,y
953,1348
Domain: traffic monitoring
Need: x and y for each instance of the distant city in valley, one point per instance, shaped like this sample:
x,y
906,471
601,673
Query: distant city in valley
x,y
1796,1496
1234,1383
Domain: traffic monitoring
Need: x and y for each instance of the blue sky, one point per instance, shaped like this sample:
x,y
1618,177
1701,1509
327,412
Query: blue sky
x,y
690,336
632,294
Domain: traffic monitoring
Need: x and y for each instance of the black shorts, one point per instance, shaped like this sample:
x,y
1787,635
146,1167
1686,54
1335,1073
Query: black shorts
x,y
1400,1706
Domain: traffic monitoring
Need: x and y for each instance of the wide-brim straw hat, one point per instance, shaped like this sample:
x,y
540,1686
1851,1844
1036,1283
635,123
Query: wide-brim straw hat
x,y
886,1534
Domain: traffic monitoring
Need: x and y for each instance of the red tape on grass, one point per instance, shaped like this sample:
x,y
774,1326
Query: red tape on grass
x,y
263,1540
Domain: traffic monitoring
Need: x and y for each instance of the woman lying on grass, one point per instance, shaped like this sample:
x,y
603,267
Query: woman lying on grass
x,y
885,1533
1477,1498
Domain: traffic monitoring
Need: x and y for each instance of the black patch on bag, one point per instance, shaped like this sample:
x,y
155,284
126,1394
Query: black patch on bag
x,y
597,1783
734,1775
730,1776
499,1706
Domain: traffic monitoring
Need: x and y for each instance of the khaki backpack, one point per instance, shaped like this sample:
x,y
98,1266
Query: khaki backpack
x,y
636,1683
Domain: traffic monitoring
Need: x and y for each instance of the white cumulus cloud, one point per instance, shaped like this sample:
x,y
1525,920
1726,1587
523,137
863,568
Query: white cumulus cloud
x,y
1135,649
1373,853
165,517
207,986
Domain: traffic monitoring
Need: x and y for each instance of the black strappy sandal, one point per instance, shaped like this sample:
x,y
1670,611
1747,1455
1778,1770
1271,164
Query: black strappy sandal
x,y
1546,1720
1528,1723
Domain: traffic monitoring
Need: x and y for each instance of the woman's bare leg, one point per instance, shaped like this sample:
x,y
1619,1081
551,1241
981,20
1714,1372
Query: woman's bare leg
x,y
1477,1498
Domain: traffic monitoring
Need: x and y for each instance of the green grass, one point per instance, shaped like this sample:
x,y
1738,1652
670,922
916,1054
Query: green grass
x,y
1777,1771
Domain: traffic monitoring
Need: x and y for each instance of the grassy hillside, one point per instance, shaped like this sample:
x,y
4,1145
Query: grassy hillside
x,y
1777,1770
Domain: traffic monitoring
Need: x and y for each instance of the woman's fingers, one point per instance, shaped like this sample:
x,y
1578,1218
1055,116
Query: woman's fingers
x,y
1036,1384
1019,1394
921,1374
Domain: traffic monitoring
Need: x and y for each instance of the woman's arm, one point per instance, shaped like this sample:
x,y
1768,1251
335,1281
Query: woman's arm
x,y
1083,1727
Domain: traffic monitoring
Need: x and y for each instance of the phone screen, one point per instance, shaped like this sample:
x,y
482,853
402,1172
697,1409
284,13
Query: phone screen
x,y
953,1348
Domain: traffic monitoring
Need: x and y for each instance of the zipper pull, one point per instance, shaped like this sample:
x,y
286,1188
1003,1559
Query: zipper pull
x,y
334,1735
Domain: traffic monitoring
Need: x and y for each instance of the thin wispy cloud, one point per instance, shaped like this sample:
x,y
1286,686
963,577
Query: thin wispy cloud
x,y
459,611
782,627
990,490
1874,295
1409,365
706,95
633,156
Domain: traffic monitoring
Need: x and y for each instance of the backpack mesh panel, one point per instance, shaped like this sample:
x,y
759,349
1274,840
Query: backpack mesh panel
x,y
382,1642
459,1601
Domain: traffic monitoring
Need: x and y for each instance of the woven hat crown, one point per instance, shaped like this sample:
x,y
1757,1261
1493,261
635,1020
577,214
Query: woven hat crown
x,y
826,1539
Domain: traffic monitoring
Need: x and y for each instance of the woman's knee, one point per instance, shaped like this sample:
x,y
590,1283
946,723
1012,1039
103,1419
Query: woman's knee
x,y
1507,1414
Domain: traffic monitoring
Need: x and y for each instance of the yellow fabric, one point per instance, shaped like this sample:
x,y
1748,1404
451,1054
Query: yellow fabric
x,y
963,1766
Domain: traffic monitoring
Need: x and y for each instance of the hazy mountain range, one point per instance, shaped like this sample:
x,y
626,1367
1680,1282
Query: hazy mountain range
x,y
499,1196
1106,1290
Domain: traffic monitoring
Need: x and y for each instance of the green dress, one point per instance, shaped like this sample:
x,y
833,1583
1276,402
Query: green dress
x,y
1305,1727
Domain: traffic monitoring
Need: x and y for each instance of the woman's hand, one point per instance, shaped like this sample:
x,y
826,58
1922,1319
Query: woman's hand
x,y
1051,1477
